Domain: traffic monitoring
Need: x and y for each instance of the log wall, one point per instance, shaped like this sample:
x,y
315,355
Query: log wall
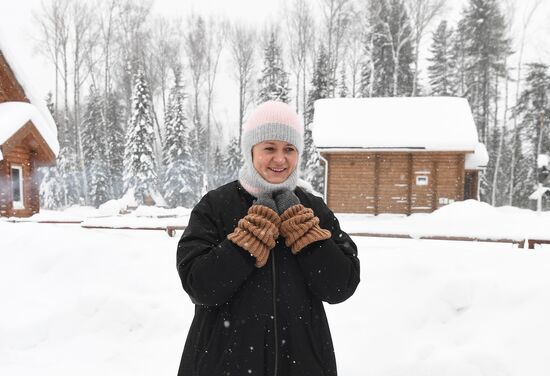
x,y
386,182
10,90
19,156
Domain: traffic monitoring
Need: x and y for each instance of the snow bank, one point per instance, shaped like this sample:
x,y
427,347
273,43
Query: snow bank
x,y
468,218
97,302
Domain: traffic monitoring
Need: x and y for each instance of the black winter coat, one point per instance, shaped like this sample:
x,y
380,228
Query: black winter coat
x,y
267,321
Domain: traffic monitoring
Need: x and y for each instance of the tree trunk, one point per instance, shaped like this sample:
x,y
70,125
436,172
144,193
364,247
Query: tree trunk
x,y
501,138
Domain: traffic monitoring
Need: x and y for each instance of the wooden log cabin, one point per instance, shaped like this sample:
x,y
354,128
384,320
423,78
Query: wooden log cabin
x,y
398,155
28,138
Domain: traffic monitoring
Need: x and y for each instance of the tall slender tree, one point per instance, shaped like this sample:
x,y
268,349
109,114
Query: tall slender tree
x,y
94,149
389,45
321,87
233,160
242,52
485,47
181,172
140,165
441,71
533,112
274,80
114,126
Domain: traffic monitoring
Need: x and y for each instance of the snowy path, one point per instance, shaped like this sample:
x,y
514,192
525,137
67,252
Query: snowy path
x,y
109,302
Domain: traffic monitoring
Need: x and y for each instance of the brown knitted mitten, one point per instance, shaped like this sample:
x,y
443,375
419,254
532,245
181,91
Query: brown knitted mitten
x,y
257,232
300,227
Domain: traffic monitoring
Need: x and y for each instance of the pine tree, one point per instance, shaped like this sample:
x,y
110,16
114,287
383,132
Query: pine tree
x,y
233,160
321,87
60,186
51,193
94,150
197,143
389,53
343,91
486,44
114,125
216,174
140,165
458,56
441,71
533,112
274,80
180,168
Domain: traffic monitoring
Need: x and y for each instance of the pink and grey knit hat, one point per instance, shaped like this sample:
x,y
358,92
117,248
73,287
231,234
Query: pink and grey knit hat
x,y
271,120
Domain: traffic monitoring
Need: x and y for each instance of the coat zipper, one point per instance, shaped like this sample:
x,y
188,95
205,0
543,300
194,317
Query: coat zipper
x,y
275,312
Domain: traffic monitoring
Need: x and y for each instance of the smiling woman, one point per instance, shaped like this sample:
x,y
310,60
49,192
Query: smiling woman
x,y
274,160
263,315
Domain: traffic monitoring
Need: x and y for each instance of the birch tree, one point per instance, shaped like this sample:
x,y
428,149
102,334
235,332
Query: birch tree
x,y
337,19
421,13
243,41
300,29
529,11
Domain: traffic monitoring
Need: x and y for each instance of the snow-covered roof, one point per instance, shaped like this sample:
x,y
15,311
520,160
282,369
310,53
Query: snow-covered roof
x,y
14,115
538,193
543,160
41,110
478,159
425,123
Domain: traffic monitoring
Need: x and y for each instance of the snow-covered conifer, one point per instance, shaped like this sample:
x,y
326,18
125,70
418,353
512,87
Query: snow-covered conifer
x,y
441,71
343,90
533,112
274,80
216,174
114,126
94,149
140,165
180,166
321,87
233,160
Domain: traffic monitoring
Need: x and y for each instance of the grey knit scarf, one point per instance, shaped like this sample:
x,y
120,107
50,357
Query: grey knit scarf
x,y
256,185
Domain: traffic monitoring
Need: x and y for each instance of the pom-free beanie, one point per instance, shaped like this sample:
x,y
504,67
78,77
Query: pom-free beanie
x,y
271,120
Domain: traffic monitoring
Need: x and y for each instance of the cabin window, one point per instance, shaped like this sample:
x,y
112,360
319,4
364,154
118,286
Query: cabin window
x,y
17,186
422,180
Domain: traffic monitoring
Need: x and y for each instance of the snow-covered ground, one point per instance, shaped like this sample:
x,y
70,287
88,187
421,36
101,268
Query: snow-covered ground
x,y
109,302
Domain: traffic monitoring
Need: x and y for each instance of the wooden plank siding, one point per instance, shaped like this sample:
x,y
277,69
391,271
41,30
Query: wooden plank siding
x,y
10,90
385,182
19,156
350,181
26,148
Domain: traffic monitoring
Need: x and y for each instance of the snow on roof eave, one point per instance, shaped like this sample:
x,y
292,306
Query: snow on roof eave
x,y
14,115
338,149
538,193
478,160
30,91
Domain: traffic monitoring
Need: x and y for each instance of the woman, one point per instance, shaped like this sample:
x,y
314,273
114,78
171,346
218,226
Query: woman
x,y
258,258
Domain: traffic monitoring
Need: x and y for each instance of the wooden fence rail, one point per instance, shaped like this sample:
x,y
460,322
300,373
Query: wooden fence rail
x,y
171,231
